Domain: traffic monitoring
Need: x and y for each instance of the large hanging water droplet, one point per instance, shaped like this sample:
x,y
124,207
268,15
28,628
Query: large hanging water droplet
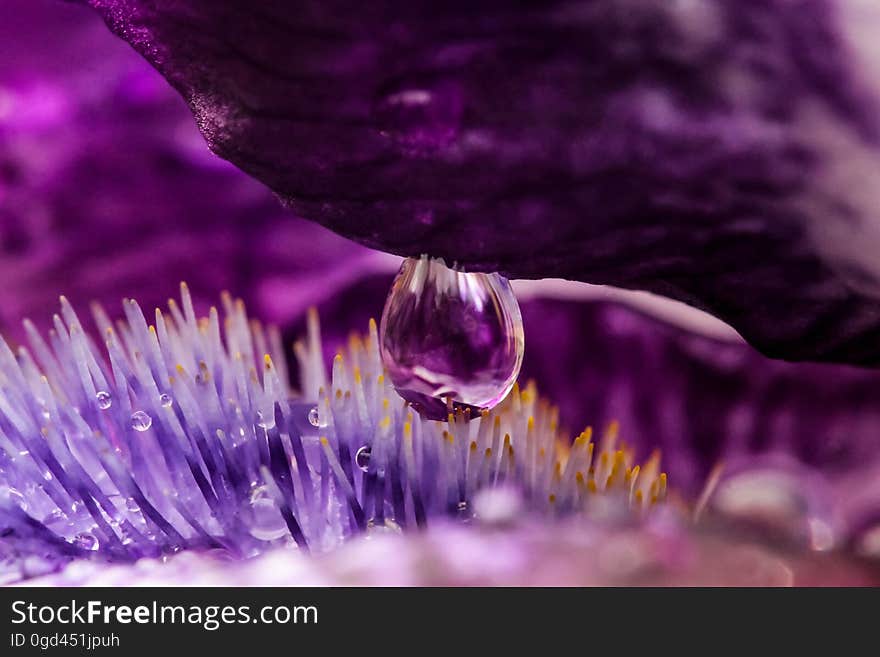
x,y
104,399
448,333
141,421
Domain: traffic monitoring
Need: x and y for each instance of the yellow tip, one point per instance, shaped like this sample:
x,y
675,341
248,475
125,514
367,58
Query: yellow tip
x,y
324,440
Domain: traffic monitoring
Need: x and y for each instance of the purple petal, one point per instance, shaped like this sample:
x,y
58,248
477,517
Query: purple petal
x,y
719,153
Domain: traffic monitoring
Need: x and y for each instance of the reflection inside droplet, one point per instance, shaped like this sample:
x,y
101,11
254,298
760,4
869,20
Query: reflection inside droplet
x,y
450,334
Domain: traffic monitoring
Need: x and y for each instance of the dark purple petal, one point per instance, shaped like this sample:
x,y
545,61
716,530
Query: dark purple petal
x,y
719,153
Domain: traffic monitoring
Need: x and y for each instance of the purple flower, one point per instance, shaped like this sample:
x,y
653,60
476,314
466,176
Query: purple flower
x,y
699,150
184,436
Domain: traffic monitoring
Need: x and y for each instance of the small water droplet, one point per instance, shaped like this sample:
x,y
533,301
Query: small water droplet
x,y
446,333
165,400
14,496
47,475
497,506
315,418
141,421
267,524
86,541
105,399
786,502
265,420
387,527
362,457
421,118
55,515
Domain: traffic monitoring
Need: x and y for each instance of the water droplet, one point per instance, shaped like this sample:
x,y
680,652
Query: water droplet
x,y
786,503
265,420
13,495
86,541
267,524
315,418
867,542
447,333
497,506
55,515
105,399
387,527
362,458
141,421
165,400
422,118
